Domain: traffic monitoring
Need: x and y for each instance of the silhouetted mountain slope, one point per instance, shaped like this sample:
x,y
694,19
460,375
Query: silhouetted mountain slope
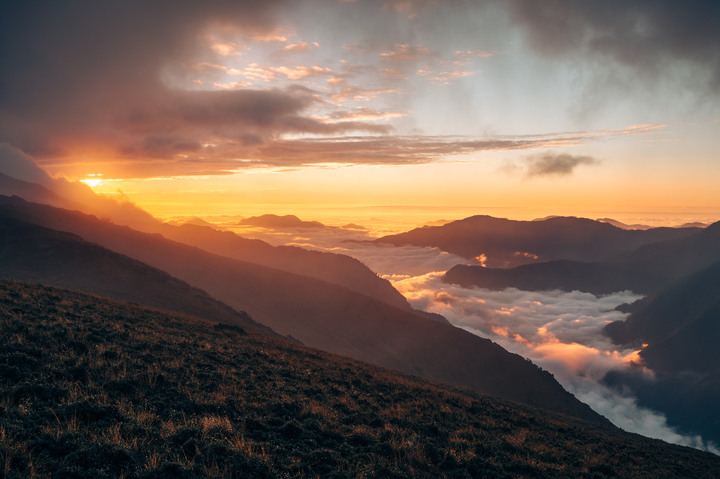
x,y
681,327
327,316
32,253
335,268
644,270
508,243
94,388
32,192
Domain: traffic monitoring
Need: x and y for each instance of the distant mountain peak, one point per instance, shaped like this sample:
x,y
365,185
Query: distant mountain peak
x,y
276,221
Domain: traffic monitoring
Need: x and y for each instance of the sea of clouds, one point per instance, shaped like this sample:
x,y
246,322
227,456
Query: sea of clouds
x,y
559,331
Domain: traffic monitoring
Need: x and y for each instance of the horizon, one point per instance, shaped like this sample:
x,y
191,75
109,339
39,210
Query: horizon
x,y
566,109
390,115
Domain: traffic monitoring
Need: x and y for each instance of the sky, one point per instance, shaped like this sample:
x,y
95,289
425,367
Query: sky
x,y
535,107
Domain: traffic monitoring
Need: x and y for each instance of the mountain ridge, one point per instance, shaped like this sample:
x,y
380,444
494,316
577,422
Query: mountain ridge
x,y
646,269
505,243
325,315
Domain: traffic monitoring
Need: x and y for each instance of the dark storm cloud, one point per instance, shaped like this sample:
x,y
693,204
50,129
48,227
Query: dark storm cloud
x,y
654,38
91,72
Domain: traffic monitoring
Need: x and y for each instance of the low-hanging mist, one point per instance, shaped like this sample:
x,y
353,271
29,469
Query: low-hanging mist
x,y
558,331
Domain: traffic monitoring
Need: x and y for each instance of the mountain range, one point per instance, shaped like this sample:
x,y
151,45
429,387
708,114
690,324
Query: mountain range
x,y
322,314
504,243
335,303
680,329
645,269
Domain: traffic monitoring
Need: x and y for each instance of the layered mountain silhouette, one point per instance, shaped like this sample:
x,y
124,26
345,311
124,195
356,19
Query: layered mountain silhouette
x,y
681,328
32,253
646,269
335,268
507,243
322,314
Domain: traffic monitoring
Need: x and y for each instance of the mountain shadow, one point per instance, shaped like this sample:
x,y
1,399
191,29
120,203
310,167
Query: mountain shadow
x,y
96,388
325,315
681,329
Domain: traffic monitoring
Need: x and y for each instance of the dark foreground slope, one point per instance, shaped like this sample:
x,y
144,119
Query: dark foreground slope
x,y
508,243
647,269
32,253
328,316
94,388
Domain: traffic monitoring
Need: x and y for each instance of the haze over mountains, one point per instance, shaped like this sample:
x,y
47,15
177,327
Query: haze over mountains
x,y
32,253
325,315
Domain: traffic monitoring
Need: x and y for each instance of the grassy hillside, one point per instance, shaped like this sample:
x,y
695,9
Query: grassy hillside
x,y
32,253
95,388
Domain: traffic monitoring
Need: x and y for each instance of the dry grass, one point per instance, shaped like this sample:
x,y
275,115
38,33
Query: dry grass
x,y
92,388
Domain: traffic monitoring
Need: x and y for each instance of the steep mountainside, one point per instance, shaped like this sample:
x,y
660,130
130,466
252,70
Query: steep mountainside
x,y
644,270
681,327
508,243
327,316
32,253
94,388
335,268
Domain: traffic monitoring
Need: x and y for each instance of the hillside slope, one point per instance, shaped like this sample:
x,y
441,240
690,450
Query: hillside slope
x,y
94,388
335,268
32,253
327,316
681,327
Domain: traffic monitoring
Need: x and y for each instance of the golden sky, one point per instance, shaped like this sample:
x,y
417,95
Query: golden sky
x,y
540,108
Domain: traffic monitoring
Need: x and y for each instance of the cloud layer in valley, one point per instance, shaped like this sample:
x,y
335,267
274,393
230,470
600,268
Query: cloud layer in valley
x,y
558,331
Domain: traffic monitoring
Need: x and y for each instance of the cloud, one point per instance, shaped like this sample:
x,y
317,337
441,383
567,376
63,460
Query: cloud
x,y
553,164
392,150
386,260
18,165
658,41
549,164
558,331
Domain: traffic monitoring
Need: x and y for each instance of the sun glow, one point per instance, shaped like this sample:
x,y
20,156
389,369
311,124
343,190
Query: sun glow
x,y
93,180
